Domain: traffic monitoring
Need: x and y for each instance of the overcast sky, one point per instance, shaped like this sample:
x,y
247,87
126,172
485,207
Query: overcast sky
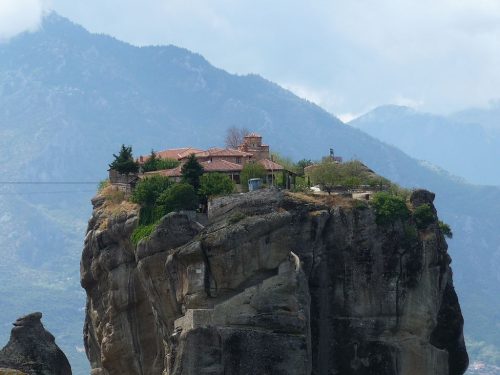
x,y
345,55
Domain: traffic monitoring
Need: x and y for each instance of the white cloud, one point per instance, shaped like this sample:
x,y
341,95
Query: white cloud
x,y
348,117
407,102
323,98
17,16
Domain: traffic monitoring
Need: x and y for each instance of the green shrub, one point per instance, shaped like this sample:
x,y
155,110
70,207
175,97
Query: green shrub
x,y
399,191
445,229
251,170
142,231
423,216
178,197
149,189
300,185
102,185
389,208
213,184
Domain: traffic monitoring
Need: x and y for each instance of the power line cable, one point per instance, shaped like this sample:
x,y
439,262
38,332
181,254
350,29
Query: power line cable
x,y
49,182
48,192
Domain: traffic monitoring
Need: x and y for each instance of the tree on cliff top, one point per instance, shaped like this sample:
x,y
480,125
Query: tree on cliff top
x,y
235,136
124,162
192,171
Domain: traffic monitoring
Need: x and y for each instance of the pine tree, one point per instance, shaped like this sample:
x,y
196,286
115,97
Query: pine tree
x,y
124,162
192,171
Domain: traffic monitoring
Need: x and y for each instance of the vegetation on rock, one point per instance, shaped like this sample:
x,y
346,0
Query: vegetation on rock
x,y
445,229
423,216
389,208
214,184
352,174
149,189
142,231
181,196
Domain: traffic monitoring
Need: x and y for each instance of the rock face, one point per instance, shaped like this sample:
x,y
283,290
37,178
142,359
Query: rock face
x,y
32,350
275,283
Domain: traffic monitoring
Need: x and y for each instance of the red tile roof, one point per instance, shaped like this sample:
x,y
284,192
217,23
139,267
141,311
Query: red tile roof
x,y
175,172
221,166
271,165
174,153
208,166
178,153
223,152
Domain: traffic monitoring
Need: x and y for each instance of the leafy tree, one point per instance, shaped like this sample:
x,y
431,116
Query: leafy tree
x,y
213,184
301,164
181,196
352,174
251,170
235,136
389,208
445,229
124,162
327,175
192,171
149,189
285,161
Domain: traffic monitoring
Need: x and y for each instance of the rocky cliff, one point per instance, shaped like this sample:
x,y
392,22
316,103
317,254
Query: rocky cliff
x,y
274,283
32,350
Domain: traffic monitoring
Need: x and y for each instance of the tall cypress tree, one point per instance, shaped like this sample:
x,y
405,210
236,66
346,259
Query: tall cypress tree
x,y
192,171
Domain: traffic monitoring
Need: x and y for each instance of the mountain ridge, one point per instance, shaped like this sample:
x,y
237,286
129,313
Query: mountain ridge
x,y
67,102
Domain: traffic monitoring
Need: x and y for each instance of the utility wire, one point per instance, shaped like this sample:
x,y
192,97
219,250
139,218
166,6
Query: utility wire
x,y
48,192
49,182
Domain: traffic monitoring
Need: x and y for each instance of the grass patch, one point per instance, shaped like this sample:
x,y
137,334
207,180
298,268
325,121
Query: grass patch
x,y
142,231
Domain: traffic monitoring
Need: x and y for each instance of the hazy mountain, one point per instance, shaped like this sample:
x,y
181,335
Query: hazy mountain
x,y
69,99
466,144
488,117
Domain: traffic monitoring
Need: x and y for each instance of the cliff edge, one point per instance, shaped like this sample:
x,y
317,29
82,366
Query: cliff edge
x,y
274,283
